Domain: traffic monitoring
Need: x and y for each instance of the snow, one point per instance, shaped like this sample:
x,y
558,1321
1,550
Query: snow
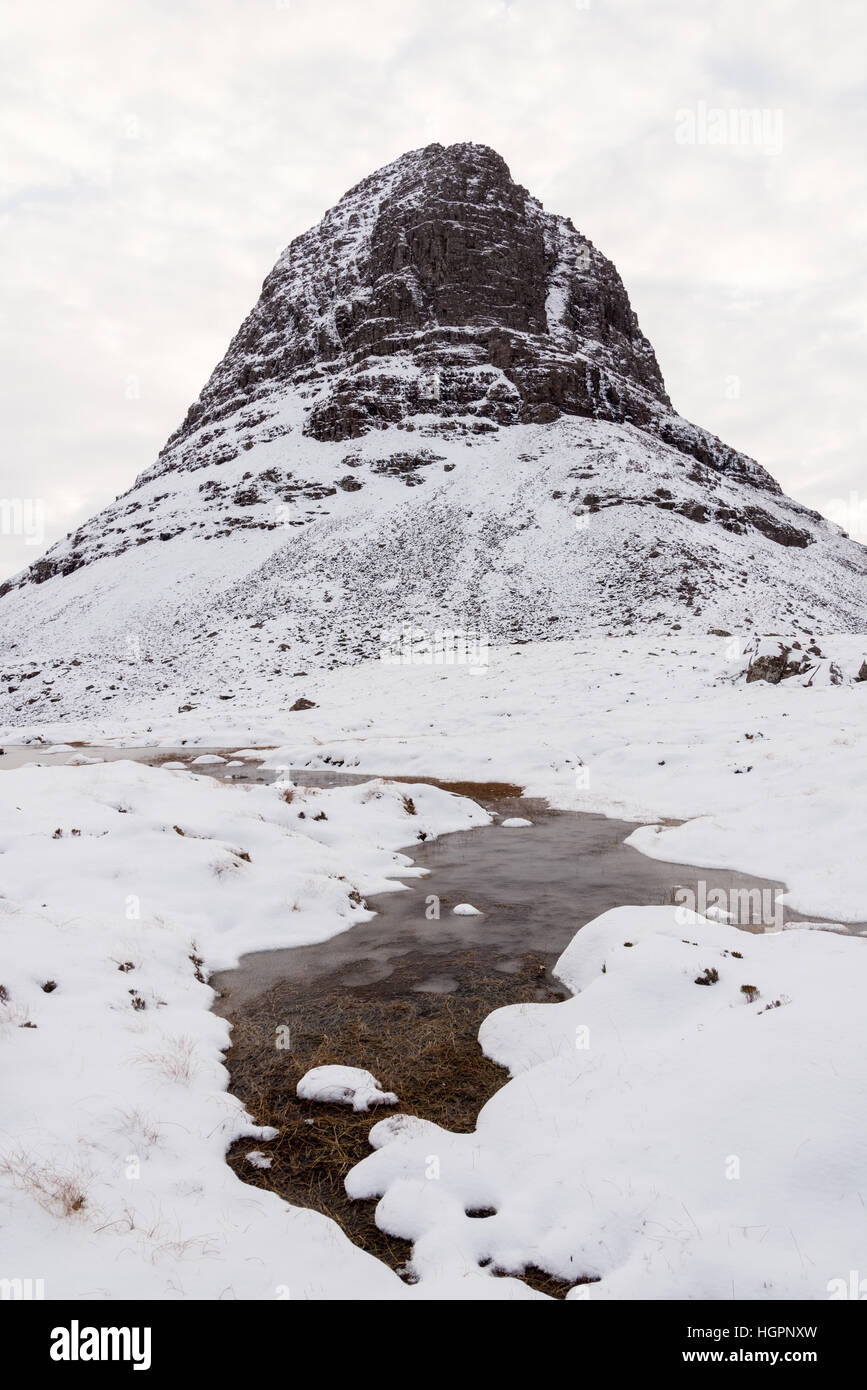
x,y
341,1085
515,822
645,729
225,623
466,910
613,1151
125,885
665,1139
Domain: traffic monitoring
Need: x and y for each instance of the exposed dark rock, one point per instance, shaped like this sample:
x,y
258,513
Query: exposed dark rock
x,y
780,531
770,667
405,466
402,271
775,664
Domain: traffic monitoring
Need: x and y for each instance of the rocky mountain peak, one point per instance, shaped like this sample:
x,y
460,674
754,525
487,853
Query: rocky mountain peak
x,y
441,413
439,287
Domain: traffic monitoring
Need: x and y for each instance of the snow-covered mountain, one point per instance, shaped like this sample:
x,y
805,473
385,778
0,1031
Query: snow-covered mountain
x,y
442,413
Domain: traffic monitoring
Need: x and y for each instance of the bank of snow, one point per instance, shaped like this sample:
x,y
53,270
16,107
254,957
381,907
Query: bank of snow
x,y
122,886
661,1137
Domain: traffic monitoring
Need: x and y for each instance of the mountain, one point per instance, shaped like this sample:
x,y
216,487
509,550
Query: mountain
x,y
440,412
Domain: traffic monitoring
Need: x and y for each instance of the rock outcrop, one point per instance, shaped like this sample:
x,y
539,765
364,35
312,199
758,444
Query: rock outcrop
x,y
440,287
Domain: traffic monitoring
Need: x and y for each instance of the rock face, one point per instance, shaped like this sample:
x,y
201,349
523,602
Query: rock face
x,y
438,286
441,412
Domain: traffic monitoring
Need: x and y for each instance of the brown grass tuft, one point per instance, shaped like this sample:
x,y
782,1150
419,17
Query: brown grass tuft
x,y
61,1192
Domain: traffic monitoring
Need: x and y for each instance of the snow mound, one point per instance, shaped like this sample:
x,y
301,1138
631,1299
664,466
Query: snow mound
x,y
466,910
338,1085
514,822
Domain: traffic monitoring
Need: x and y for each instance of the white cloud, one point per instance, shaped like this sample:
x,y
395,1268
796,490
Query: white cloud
x,y
157,156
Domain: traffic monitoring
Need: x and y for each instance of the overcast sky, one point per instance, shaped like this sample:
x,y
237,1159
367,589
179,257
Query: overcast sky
x,y
157,154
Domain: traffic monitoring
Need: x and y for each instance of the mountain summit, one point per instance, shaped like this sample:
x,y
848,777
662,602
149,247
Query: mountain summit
x,y
442,412
439,286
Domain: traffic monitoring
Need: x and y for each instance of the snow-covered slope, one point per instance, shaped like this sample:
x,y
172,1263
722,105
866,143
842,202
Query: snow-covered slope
x,y
442,413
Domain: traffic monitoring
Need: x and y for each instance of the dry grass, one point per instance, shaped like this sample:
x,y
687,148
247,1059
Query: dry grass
x,y
138,1127
63,1192
421,1045
178,1060
483,792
